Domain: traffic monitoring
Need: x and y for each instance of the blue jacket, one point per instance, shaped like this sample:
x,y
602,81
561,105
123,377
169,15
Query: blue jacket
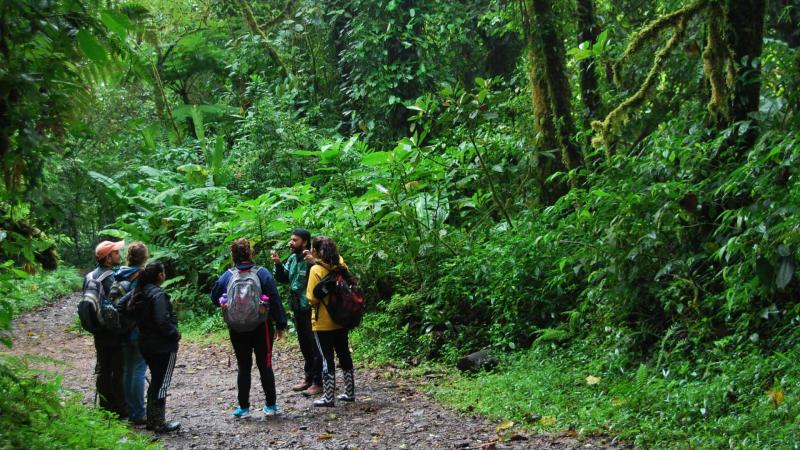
x,y
276,312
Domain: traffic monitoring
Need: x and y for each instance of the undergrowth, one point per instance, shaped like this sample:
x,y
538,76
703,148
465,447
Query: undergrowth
x,y
746,400
36,413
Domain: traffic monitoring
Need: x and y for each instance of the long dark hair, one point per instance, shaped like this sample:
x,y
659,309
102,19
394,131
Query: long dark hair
x,y
326,250
150,274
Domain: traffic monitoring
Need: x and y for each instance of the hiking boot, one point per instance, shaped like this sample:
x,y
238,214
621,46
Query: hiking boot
x,y
349,387
301,386
270,410
241,413
314,389
166,427
155,417
328,388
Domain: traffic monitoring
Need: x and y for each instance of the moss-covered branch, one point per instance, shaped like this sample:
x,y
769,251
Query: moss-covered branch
x,y
654,28
620,114
677,20
250,18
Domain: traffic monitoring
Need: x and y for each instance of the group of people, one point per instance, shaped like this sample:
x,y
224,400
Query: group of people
x,y
152,339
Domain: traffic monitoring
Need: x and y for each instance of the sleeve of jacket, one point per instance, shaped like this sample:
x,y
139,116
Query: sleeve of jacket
x,y
314,278
219,287
276,311
162,316
281,274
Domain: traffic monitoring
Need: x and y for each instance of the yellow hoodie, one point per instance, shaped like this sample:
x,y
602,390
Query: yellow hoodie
x,y
320,319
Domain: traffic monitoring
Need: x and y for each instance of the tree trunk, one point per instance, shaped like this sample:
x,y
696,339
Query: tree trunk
x,y
550,89
184,94
745,37
588,31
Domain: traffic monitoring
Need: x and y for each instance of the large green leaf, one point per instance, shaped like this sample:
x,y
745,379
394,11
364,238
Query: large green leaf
x,y
91,47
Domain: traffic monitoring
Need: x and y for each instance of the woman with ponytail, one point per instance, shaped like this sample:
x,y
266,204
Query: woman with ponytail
x,y
158,341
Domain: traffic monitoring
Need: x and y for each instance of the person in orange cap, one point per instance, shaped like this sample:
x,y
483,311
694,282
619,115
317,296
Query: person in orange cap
x,y
107,343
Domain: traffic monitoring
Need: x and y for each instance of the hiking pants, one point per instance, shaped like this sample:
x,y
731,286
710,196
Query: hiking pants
x,y
327,343
305,337
109,377
133,371
258,341
161,366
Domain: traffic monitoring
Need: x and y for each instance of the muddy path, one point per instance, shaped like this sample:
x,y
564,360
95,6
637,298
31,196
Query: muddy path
x,y
388,414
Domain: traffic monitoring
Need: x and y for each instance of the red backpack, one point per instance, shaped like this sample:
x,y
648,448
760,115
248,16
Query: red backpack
x,y
346,302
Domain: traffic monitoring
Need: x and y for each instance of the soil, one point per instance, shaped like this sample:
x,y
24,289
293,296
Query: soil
x,y
391,412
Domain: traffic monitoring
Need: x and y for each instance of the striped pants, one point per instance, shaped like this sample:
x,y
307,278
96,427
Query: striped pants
x,y
161,366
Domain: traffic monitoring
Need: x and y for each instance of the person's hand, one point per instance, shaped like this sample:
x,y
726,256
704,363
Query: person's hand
x,y
279,335
275,258
308,258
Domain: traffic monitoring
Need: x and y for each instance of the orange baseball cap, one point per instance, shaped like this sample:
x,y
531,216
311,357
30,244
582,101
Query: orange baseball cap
x,y
105,248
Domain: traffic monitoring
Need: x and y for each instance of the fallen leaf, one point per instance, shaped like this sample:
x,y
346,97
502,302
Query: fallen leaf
x,y
591,380
324,437
616,401
504,425
548,421
776,395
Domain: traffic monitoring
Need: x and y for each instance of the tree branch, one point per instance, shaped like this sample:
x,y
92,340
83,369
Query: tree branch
x,y
250,18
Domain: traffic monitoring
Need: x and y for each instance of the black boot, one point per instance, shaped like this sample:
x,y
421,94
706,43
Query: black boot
x,y
349,387
156,417
328,388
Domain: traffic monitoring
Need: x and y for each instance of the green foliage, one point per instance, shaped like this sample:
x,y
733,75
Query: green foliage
x,y
37,414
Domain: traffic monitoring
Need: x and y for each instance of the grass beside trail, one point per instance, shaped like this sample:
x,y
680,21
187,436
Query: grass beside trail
x,y
44,287
35,412
734,402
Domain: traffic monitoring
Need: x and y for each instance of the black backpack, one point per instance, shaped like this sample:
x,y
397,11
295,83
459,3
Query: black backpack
x,y
97,311
346,302
90,307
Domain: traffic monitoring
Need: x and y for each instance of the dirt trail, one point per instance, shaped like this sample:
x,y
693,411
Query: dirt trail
x,y
387,414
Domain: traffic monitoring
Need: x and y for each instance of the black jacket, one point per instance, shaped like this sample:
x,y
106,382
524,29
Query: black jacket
x,y
158,325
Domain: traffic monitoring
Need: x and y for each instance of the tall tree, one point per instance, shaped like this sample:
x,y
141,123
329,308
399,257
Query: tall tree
x,y
550,86
745,37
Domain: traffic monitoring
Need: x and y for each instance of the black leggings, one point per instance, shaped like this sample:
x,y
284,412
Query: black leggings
x,y
327,342
161,367
305,337
258,341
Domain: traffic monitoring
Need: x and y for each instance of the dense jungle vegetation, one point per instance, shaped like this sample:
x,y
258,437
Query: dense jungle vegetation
x,y
604,193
